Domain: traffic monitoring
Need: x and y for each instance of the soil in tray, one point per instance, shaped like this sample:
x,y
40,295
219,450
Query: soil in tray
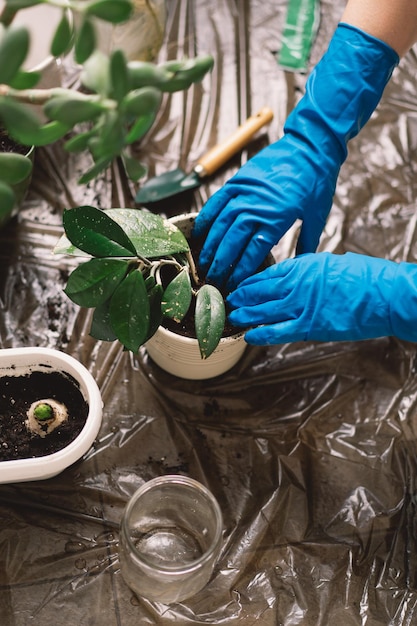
x,y
17,394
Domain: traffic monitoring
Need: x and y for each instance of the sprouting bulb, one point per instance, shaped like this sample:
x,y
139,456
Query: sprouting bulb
x,y
45,415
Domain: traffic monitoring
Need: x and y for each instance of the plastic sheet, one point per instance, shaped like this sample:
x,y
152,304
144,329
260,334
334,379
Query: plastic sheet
x,y
309,448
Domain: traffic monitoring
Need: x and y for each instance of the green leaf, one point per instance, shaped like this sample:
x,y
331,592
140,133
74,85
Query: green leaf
x,y
142,101
210,317
93,282
130,311
25,80
62,38
185,73
72,110
193,70
25,127
85,41
94,232
177,296
134,169
16,5
155,315
109,142
95,74
79,142
140,127
114,11
94,171
7,201
146,74
118,76
101,327
152,235
14,167
14,46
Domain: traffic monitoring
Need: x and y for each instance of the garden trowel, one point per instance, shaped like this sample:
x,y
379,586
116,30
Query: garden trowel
x,y
177,181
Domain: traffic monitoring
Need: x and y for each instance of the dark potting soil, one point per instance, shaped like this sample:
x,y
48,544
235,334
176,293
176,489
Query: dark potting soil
x,y
186,327
17,394
9,145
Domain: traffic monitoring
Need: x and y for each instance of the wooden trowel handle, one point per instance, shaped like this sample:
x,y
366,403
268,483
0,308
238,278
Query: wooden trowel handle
x,y
220,154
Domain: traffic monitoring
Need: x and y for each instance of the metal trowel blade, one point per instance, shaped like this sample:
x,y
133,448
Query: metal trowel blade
x,y
166,185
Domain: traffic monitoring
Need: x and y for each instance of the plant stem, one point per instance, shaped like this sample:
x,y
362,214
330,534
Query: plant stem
x,y
40,96
193,269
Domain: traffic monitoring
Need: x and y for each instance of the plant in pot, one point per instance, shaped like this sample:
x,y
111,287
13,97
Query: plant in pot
x,y
51,410
115,106
142,282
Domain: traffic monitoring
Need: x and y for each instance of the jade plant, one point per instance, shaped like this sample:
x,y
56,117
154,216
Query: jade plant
x,y
115,107
139,273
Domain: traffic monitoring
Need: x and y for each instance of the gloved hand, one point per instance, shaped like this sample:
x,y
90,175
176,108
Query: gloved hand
x,y
328,297
296,176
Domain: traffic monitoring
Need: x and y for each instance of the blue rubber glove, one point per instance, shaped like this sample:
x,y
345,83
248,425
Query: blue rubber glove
x,y
328,297
295,178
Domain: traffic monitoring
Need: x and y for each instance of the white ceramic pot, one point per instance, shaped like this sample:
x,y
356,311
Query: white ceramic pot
x,y
180,355
20,361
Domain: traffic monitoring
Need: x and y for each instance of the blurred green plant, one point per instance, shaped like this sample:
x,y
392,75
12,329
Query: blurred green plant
x,y
140,273
116,108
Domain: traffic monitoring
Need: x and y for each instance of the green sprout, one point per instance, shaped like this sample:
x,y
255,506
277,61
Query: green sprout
x,y
43,412
44,416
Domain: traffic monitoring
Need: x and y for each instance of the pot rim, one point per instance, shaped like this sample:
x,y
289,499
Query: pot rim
x,y
26,469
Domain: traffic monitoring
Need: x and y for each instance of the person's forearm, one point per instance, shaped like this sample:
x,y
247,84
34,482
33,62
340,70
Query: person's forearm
x,y
392,21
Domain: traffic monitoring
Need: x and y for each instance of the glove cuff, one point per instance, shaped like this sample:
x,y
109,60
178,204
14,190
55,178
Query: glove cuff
x,y
344,88
403,304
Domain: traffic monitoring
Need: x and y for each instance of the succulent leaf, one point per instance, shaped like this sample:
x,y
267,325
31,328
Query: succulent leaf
x,y
25,80
133,167
14,47
16,5
140,127
62,38
72,110
95,74
143,101
146,74
14,167
118,76
26,128
85,41
7,200
114,11
94,171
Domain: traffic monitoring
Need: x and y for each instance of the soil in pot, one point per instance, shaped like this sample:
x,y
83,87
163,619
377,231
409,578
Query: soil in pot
x,y
186,327
17,394
9,145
